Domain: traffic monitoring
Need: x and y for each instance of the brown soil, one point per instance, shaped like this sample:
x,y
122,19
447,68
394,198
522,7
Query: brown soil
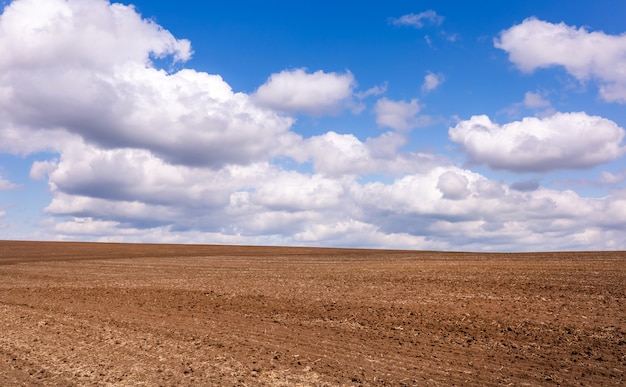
x,y
120,314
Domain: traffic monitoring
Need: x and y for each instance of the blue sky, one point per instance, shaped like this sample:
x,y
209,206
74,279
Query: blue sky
x,y
424,124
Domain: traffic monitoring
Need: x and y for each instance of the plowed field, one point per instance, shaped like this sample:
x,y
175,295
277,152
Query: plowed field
x,y
122,314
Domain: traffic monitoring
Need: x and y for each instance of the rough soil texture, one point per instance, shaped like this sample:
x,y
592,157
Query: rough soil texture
x,y
121,314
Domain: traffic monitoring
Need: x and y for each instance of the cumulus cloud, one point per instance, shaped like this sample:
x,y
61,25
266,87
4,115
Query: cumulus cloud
x,y
357,233
561,141
399,115
88,171
418,20
41,169
431,82
484,214
441,207
295,191
585,55
337,154
453,186
70,73
297,91
93,34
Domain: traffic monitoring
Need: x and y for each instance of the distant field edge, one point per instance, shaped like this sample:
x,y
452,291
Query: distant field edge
x,y
20,251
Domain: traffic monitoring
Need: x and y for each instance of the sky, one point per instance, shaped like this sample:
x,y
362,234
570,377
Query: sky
x,y
431,125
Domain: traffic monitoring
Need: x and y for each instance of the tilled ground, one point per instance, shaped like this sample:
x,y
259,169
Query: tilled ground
x,y
116,314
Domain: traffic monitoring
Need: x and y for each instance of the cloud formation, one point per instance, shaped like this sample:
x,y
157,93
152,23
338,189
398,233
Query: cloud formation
x,y
297,91
419,20
338,155
72,71
613,178
585,55
88,34
431,82
398,115
6,185
560,141
535,100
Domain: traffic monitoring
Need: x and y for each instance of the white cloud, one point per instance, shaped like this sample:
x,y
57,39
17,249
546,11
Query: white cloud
x,y
357,233
93,34
561,141
485,215
334,153
344,154
419,193
25,140
419,20
92,172
40,169
67,62
585,55
376,90
294,191
535,100
399,115
613,178
6,185
441,207
431,82
453,186
296,91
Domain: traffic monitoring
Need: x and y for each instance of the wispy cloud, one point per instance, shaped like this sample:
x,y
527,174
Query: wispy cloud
x,y
372,91
418,20
6,185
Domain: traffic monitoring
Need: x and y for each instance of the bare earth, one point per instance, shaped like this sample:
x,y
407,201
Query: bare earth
x,y
121,314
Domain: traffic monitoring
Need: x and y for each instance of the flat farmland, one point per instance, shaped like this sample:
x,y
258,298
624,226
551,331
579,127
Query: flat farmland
x,y
139,314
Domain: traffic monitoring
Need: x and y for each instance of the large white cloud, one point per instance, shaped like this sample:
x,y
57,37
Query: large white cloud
x,y
560,141
69,68
77,33
458,207
442,207
297,91
585,55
